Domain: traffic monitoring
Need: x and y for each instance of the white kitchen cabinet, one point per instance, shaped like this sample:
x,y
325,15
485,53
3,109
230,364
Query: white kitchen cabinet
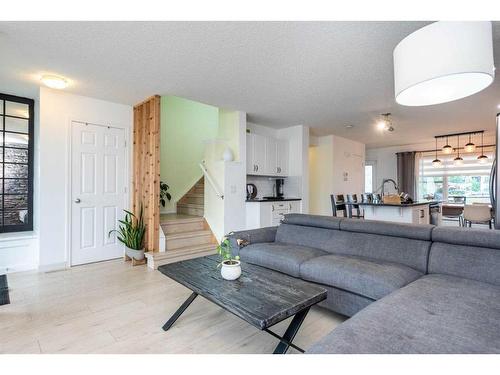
x,y
271,156
267,156
282,157
256,154
268,214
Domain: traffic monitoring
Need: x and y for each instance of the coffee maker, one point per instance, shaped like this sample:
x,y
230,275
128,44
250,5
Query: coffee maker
x,y
279,192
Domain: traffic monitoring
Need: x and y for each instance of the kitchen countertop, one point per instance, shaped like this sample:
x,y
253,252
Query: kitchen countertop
x,y
418,203
260,200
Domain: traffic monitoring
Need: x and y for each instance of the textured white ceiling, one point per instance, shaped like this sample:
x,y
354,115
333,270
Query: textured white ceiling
x,y
322,74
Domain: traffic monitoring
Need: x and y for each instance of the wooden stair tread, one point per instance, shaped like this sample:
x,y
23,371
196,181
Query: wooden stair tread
x,y
193,205
184,250
179,219
190,234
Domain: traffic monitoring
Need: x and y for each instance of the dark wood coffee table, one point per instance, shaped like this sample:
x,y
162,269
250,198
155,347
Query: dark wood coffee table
x,y
260,296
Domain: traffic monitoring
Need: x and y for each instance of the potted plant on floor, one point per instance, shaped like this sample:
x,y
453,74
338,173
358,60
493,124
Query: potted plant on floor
x,y
131,233
230,265
164,194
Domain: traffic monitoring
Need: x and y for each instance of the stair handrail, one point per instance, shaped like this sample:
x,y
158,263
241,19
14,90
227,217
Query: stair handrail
x,y
210,180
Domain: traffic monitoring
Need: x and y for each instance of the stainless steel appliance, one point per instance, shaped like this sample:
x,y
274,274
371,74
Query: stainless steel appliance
x,y
279,192
494,186
251,191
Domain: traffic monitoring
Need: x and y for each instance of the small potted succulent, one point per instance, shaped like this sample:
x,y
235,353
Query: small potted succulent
x,y
230,265
131,232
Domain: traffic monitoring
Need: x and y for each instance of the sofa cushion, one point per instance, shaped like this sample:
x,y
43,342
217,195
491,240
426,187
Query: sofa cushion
x,y
475,263
467,237
278,256
369,278
411,231
318,221
388,248
435,314
320,238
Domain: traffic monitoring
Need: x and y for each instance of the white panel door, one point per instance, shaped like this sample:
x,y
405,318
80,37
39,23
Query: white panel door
x,y
98,191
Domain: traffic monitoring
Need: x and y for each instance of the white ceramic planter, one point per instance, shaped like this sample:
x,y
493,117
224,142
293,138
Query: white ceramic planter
x,y
228,155
230,271
136,254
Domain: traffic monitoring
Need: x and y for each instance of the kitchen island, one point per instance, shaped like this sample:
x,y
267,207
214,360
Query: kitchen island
x,y
413,213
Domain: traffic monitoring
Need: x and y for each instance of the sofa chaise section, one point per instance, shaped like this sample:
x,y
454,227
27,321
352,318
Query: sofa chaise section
x,y
455,308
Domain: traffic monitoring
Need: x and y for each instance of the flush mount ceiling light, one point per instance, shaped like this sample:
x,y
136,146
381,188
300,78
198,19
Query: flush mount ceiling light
x,y
447,149
385,123
442,62
54,82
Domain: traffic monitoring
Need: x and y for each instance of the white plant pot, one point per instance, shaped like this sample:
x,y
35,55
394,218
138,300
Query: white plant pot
x,y
136,254
228,155
230,271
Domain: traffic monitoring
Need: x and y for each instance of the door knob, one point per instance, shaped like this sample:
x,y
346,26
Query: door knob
x,y
77,200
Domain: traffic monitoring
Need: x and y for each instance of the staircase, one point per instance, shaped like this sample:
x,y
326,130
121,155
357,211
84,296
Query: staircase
x,y
187,234
192,202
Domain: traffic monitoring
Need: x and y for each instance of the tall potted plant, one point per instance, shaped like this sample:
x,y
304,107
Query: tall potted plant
x,y
131,233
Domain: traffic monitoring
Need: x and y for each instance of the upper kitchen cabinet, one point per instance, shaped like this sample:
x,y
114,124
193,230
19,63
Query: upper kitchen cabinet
x,y
282,158
256,154
266,156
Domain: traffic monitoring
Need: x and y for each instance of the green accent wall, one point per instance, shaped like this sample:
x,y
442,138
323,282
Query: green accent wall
x,y
185,125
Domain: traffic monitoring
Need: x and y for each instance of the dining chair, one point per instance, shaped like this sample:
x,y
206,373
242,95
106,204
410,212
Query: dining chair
x,y
338,204
457,199
477,214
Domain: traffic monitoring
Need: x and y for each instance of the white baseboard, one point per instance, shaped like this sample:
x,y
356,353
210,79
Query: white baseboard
x,y
52,267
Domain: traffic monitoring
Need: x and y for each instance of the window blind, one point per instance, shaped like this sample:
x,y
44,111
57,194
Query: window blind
x,y
470,166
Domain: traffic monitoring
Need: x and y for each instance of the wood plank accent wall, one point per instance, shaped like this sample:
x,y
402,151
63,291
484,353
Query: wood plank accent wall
x,y
146,168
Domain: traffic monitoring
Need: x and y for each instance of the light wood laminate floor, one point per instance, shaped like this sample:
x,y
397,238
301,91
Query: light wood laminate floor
x,y
111,307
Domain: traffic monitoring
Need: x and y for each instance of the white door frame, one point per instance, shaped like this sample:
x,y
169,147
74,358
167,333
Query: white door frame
x,y
69,176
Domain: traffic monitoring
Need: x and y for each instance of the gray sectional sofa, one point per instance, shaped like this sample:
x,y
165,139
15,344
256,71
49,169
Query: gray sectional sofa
x,y
406,288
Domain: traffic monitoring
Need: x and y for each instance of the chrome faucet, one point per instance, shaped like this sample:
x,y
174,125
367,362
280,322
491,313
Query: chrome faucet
x,y
389,180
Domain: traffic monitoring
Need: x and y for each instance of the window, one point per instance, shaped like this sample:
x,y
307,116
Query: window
x,y
16,163
368,178
470,180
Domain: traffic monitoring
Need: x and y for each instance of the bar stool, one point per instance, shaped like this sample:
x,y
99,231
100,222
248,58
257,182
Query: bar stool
x,y
352,199
338,204
367,197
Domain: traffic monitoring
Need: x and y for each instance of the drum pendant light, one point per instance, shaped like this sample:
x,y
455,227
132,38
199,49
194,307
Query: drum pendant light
x,y
458,160
436,163
442,62
483,159
447,149
470,147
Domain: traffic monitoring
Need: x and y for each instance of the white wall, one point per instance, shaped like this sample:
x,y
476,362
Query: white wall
x,y
321,175
385,160
57,109
228,214
336,167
